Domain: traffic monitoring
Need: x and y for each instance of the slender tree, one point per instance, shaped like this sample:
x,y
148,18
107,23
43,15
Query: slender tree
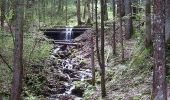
x,y
139,12
84,12
44,10
114,32
128,21
66,12
105,10
97,34
78,12
52,12
92,11
103,88
89,12
39,12
18,52
60,7
2,6
148,40
3,3
159,76
121,29
92,60
167,23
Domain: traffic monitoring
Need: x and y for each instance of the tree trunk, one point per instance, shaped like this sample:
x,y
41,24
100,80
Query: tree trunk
x,y
59,7
92,60
97,35
18,52
103,88
2,12
105,10
167,23
13,6
128,21
134,8
89,13
159,75
114,32
139,17
148,40
92,12
62,7
3,3
66,12
84,13
121,30
51,13
44,8
78,13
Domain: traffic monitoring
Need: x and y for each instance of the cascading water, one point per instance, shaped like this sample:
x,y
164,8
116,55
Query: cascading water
x,y
64,73
68,36
67,74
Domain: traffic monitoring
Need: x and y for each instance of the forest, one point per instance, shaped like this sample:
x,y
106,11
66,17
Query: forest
x,y
84,49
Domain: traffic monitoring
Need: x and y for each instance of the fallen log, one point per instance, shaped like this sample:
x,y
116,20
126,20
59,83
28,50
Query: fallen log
x,y
68,43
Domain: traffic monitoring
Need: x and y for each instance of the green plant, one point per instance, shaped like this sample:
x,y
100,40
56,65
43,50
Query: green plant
x,y
36,52
34,83
5,80
90,90
140,57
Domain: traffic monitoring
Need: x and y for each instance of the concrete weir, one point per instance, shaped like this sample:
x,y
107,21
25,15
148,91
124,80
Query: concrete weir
x,y
64,34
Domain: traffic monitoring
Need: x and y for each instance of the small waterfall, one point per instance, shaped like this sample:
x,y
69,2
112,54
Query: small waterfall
x,y
68,36
67,71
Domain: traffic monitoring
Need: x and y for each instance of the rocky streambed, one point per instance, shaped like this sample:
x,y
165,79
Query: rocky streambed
x,y
66,72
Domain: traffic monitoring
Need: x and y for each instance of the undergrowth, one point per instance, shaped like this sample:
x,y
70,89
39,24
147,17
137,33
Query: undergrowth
x,y
121,78
34,53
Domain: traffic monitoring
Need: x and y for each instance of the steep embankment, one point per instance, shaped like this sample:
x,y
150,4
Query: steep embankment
x,y
130,80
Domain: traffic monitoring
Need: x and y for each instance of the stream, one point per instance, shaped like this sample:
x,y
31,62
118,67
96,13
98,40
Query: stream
x,y
66,71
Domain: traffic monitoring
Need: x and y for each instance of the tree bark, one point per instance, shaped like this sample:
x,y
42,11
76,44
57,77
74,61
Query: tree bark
x,y
105,10
59,10
66,12
92,12
159,72
167,23
89,13
78,13
97,35
84,13
128,21
3,12
103,88
18,52
92,60
148,40
121,30
114,32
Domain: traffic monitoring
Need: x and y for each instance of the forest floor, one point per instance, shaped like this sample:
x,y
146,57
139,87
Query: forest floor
x,y
130,80
126,83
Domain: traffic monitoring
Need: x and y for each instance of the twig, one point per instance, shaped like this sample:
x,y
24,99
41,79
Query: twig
x,y
5,62
12,34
